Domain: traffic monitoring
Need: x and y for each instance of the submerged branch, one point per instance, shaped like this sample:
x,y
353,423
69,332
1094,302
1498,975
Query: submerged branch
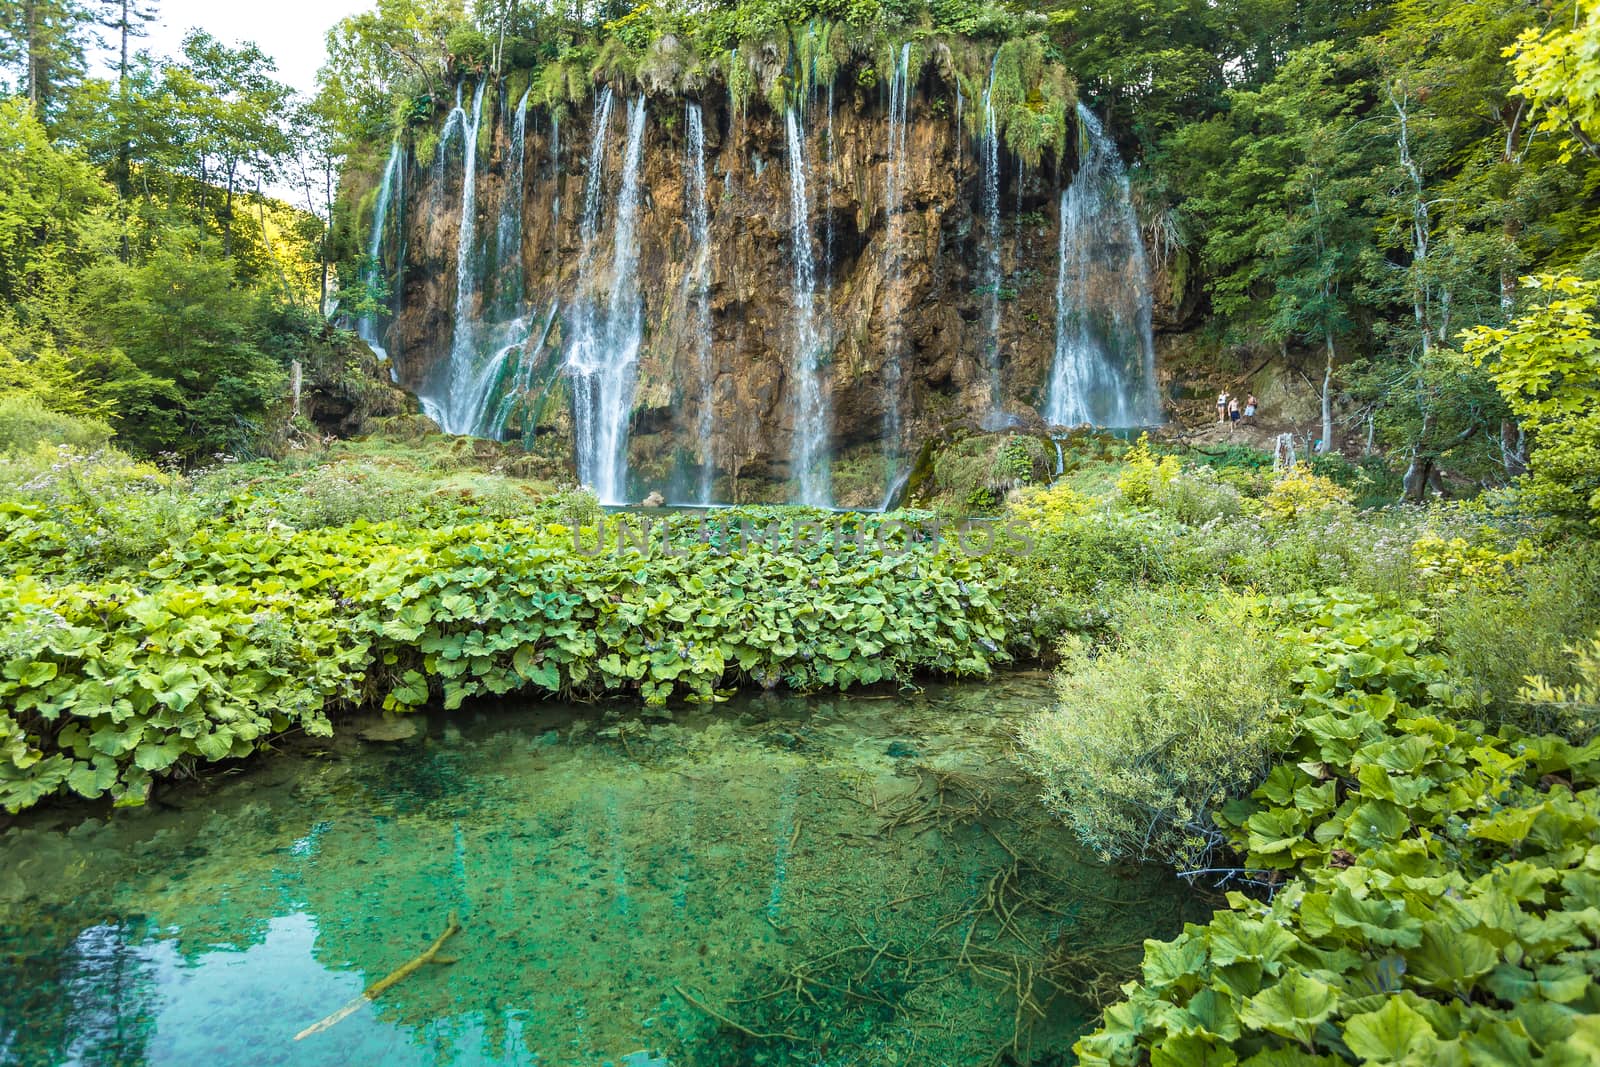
x,y
405,969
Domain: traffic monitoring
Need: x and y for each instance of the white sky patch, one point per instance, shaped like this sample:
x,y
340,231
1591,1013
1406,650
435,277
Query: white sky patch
x,y
292,32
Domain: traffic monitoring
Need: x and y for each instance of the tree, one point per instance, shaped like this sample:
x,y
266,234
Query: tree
x,y
1280,187
46,42
127,19
189,333
234,112
1558,72
1546,364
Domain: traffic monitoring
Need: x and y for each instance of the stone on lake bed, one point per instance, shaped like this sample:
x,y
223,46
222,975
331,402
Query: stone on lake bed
x,y
901,750
376,729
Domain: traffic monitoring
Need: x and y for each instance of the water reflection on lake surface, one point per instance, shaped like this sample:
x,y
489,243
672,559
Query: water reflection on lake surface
x,y
859,879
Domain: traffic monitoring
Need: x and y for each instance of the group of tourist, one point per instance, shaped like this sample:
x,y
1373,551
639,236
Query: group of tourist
x,y
1228,411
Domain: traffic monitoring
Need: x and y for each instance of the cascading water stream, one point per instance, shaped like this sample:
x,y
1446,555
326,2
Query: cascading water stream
x,y
452,126
698,280
1104,367
604,357
810,459
989,152
508,234
455,411
367,325
893,265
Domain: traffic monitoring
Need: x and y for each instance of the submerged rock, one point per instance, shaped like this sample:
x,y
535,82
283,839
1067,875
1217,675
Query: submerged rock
x,y
645,1059
386,729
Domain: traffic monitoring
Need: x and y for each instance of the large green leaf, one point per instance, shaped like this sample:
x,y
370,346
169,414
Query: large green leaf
x,y
1393,1032
1292,1007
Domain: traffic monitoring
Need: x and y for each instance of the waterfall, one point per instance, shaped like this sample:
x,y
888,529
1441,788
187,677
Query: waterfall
x,y
893,257
810,460
698,279
453,411
508,234
1104,367
511,376
604,356
367,325
827,202
452,125
990,153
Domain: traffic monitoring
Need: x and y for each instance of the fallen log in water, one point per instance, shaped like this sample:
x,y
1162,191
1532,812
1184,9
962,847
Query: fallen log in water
x,y
372,992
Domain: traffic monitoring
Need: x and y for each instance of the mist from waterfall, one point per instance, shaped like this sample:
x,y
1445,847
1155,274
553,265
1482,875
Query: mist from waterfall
x,y
697,279
372,270
989,153
603,359
809,454
1104,367
893,265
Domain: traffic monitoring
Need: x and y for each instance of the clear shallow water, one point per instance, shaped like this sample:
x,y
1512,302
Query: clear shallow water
x,y
859,879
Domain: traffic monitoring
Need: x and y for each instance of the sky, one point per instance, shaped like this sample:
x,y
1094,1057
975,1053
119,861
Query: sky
x,y
290,31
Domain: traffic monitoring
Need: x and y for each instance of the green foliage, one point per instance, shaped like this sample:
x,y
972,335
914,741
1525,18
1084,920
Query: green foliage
x,y
1500,631
24,424
1183,710
155,621
1576,706
1441,901
1144,474
105,686
1546,365
976,473
1300,494
1558,72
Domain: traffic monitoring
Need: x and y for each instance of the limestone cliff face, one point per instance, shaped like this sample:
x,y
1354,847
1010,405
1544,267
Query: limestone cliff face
x,y
936,277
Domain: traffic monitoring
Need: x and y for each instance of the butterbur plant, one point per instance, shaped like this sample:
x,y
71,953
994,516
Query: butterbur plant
x,y
1437,901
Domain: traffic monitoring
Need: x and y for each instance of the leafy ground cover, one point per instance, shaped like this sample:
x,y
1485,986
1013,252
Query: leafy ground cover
x,y
1375,728
153,622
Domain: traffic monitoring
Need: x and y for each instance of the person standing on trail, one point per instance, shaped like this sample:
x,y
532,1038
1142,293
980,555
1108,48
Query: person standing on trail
x,y
1233,412
1250,409
1222,407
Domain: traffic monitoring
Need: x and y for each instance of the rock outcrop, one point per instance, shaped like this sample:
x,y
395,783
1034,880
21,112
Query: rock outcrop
x,y
939,286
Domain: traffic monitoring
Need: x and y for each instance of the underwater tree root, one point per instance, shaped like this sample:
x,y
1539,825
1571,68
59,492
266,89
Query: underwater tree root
x,y
452,928
725,1021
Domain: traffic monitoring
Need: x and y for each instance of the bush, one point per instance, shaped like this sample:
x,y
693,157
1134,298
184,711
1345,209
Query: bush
x,y
1196,496
1440,905
238,632
1521,624
1300,494
25,424
1183,710
1144,474
1575,707
66,513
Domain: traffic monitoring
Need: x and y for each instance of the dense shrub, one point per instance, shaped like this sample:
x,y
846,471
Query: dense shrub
x,y
1522,623
235,632
1182,710
1442,905
25,424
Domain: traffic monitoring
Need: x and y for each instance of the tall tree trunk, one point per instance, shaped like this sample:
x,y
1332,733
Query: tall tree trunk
x,y
35,60
1513,448
227,213
1327,395
1511,226
1419,472
124,165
